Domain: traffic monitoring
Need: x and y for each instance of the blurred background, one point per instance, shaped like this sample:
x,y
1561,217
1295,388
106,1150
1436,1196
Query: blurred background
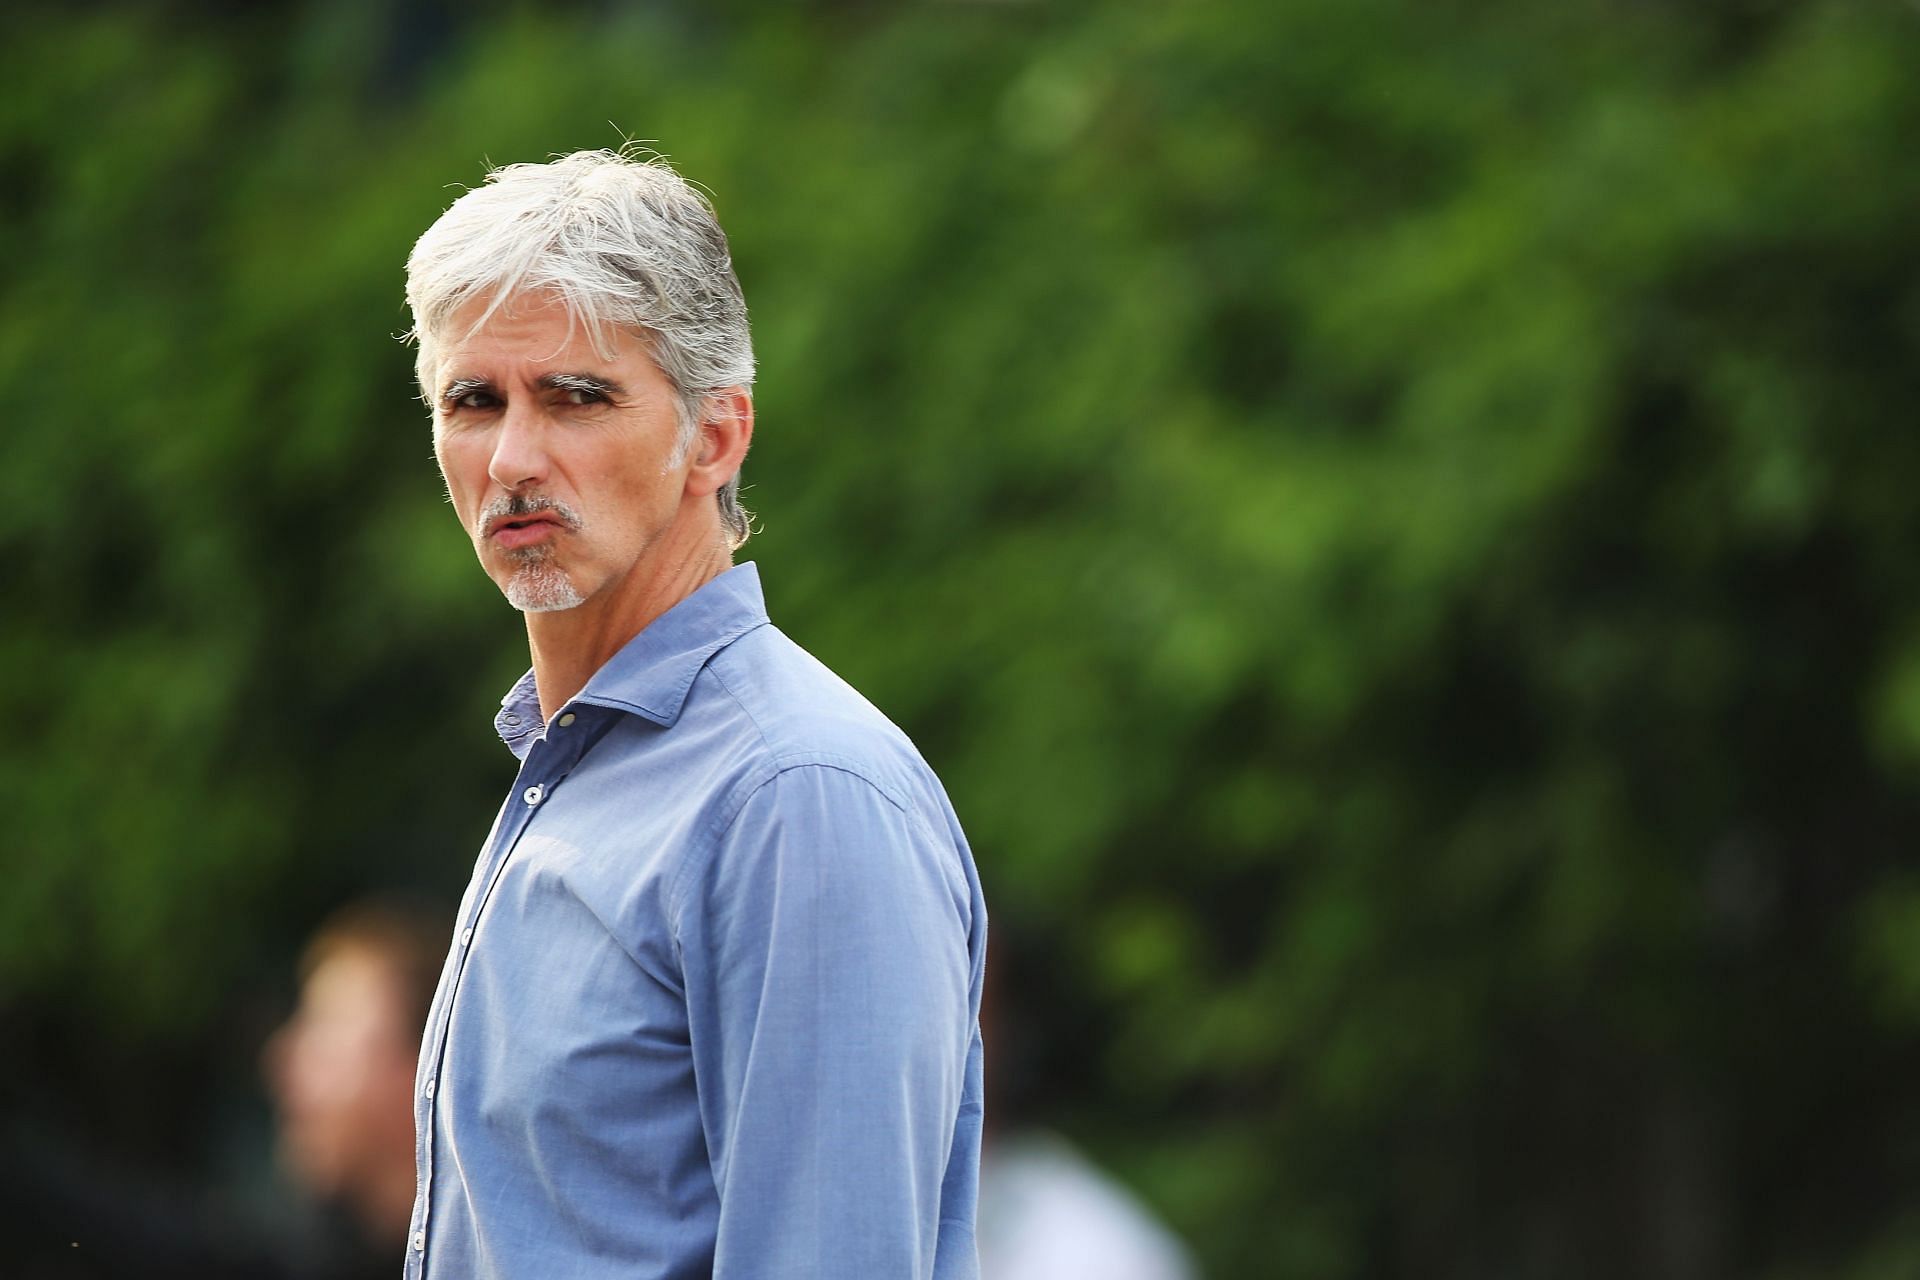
x,y
1394,519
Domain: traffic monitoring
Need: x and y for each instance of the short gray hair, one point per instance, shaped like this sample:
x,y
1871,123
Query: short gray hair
x,y
624,242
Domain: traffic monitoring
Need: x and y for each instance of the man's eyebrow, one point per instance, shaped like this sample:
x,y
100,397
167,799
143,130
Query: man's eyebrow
x,y
463,386
580,382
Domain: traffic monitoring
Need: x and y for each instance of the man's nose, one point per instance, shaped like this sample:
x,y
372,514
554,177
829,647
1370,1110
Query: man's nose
x,y
520,449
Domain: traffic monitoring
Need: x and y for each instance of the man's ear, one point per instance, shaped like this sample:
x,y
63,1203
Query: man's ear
x,y
726,429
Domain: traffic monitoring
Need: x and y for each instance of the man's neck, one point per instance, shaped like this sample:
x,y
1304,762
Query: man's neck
x,y
568,646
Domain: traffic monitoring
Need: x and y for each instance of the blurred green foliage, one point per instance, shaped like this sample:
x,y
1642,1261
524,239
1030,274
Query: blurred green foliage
x,y
1394,520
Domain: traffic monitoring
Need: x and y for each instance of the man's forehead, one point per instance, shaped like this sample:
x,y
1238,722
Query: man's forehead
x,y
486,308
537,333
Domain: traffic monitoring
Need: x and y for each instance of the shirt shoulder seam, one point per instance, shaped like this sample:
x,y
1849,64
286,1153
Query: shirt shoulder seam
x,y
715,834
772,765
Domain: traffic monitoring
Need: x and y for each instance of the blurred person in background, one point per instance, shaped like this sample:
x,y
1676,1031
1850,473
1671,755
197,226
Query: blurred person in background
x,y
1047,1211
340,1073
341,1070
712,1007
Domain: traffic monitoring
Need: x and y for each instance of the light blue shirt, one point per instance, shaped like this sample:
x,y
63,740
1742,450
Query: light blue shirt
x,y
712,1005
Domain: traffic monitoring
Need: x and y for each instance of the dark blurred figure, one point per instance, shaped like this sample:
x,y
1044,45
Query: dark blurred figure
x,y
341,1069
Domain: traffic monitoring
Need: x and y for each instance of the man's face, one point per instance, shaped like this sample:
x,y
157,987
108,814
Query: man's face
x,y
560,462
341,1070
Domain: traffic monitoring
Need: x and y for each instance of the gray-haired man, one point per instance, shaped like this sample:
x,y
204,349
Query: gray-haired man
x,y
712,1006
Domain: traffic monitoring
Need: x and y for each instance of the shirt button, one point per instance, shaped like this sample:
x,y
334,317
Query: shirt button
x,y
466,936
566,719
532,794
430,1090
419,1241
509,718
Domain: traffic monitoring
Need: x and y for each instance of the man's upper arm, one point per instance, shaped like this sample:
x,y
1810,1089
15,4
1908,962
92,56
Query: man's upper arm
x,y
825,949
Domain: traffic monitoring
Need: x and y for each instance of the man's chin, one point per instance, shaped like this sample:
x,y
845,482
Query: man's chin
x,y
315,1166
542,589
546,604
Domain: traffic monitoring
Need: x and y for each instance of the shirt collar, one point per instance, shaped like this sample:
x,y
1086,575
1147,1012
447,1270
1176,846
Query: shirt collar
x,y
652,673
519,724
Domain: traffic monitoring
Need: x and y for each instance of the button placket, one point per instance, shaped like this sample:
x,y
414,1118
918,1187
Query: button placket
x,y
547,757
504,838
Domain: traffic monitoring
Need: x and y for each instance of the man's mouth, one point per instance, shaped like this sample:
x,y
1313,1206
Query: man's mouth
x,y
513,522
522,531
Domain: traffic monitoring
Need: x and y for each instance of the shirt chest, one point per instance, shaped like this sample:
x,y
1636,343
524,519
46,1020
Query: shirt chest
x,y
562,1025
572,950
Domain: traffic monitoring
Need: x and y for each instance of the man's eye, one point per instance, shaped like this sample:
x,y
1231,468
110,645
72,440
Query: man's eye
x,y
584,396
473,400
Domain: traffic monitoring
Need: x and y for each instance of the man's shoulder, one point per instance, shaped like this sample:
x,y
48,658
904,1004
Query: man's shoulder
x,y
796,712
797,750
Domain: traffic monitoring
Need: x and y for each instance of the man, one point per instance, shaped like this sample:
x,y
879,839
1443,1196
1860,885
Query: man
x,y
341,1072
712,1003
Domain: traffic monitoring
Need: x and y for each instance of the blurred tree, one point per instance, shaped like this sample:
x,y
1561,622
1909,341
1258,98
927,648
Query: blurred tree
x,y
1393,521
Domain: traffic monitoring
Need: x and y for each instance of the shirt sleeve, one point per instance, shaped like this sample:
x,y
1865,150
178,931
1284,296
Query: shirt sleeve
x,y
824,946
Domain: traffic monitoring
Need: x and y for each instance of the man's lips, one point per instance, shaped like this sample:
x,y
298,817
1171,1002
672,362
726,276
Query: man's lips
x,y
522,531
